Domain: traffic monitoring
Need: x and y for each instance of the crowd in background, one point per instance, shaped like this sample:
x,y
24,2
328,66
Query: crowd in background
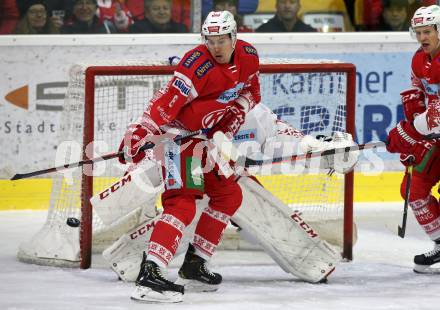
x,y
175,16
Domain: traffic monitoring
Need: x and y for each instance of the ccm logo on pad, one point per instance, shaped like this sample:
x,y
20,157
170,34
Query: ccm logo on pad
x,y
295,216
115,187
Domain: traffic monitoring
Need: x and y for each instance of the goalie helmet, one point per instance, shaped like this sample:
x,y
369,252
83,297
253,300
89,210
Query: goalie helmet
x,y
220,23
425,16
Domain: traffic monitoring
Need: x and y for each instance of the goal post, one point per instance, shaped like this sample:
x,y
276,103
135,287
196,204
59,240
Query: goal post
x,y
316,96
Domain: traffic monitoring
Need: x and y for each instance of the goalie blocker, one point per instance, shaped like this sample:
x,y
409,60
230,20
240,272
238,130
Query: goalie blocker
x,y
287,238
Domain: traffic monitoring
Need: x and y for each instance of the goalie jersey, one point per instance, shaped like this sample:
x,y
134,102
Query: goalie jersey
x,y
263,134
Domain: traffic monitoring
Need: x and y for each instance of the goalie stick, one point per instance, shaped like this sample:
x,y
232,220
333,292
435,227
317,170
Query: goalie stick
x,y
252,162
148,145
228,150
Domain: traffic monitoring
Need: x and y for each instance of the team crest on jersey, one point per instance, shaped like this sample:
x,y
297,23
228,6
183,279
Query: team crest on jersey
x,y
245,135
212,118
250,50
189,61
182,86
230,94
204,68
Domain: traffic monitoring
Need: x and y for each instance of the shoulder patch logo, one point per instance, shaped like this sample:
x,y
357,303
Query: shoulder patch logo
x,y
250,50
204,68
188,62
182,86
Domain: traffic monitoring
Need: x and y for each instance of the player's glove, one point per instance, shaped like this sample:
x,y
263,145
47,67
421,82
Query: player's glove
x,y
135,137
246,101
411,145
413,101
341,162
230,123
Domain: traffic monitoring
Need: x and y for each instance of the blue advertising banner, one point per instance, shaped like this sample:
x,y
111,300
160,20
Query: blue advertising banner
x,y
380,77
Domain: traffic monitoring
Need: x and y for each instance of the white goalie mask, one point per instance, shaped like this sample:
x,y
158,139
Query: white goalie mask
x,y
220,23
425,16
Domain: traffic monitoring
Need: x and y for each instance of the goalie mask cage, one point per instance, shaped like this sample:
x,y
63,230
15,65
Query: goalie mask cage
x,y
315,96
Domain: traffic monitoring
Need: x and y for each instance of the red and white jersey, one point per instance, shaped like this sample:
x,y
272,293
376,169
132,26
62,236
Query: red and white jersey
x,y
426,76
201,89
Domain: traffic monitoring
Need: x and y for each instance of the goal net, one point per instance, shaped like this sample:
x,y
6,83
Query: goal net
x,y
316,97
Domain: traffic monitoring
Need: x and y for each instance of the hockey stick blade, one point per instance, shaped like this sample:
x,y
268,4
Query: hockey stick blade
x,y
147,146
251,162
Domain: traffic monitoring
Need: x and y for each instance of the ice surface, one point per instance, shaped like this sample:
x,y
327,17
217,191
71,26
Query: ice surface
x,y
380,277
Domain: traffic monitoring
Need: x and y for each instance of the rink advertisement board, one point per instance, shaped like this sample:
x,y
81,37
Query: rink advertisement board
x,y
35,76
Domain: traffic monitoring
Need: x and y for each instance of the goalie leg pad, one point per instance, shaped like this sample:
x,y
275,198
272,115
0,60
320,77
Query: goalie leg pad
x,y
125,255
288,239
137,189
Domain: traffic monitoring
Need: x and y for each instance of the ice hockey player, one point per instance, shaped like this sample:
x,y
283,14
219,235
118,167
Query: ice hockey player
x,y
417,137
214,86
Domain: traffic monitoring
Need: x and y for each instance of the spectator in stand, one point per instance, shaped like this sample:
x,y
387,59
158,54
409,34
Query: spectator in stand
x,y
368,13
57,10
326,15
9,16
394,16
231,6
116,12
286,19
157,19
85,19
180,13
35,19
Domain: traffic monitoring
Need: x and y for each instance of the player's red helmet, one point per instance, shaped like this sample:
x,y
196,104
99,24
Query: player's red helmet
x,y
219,23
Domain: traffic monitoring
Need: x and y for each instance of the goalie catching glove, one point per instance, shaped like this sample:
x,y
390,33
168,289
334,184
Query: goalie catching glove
x,y
342,162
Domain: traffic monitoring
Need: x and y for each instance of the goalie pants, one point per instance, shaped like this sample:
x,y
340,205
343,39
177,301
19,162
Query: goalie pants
x,y
185,181
425,206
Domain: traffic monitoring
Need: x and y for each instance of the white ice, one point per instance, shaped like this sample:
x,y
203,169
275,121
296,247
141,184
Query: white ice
x,y
379,277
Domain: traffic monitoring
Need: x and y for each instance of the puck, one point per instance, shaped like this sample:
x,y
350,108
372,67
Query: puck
x,y
73,222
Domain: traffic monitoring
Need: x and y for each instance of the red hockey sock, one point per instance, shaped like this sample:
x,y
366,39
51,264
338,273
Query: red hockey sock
x,y
427,213
179,211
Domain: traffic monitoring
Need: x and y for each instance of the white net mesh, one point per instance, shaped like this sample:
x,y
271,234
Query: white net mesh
x,y
313,102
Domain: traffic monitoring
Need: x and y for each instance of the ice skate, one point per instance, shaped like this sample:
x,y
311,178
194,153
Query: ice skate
x,y
424,263
152,287
195,275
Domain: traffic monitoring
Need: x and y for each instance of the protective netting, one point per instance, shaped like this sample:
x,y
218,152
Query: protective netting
x,y
314,102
